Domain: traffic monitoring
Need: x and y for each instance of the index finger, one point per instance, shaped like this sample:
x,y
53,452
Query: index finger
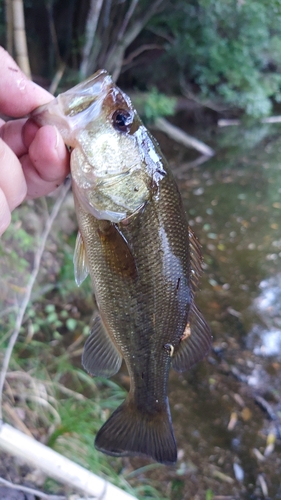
x,y
18,95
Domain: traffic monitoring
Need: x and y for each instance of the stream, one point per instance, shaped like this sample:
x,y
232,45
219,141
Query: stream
x,y
227,410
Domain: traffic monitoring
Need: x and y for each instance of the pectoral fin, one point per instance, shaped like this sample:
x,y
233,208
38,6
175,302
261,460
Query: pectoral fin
x,y
116,250
81,270
195,343
100,356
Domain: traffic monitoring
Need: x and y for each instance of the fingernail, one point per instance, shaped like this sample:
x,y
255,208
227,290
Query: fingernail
x,y
60,146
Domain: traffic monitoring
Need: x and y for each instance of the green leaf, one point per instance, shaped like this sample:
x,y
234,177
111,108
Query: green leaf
x,y
71,324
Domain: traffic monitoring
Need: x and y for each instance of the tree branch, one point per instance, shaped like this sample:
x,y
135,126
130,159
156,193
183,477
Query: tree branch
x,y
116,54
268,119
182,137
20,37
143,48
127,18
9,26
90,32
32,491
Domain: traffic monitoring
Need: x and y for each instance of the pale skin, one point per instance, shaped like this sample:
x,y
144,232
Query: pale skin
x,y
33,161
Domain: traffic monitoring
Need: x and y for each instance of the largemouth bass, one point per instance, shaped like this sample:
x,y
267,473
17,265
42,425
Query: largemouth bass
x,y
143,259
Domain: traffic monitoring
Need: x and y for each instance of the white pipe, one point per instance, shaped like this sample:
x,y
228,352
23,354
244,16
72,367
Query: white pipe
x,y
57,466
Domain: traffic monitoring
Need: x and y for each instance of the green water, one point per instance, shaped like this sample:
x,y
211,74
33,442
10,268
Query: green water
x,y
229,440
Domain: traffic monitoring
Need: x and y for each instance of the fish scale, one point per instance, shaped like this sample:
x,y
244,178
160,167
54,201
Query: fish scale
x,y
130,304
143,259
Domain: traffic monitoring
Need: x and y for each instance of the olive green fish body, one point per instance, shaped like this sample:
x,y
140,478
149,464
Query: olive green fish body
x,y
144,302
143,260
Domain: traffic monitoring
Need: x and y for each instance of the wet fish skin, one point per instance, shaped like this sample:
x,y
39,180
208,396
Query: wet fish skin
x,y
108,183
144,269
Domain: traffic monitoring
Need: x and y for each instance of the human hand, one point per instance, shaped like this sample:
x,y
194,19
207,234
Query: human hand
x,y
33,161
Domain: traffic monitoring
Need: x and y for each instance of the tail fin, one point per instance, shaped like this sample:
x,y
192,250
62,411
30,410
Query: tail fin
x,y
129,431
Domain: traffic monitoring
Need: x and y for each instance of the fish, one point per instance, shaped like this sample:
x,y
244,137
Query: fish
x,y
143,259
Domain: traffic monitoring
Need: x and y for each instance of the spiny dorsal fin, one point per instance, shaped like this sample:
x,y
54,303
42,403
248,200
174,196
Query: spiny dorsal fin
x,y
195,259
100,356
195,344
81,270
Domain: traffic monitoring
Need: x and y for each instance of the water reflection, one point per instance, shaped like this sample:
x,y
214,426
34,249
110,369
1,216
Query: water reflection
x,y
270,343
266,341
228,403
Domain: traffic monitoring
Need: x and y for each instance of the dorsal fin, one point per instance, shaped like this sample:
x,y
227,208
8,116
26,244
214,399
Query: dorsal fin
x,y
195,260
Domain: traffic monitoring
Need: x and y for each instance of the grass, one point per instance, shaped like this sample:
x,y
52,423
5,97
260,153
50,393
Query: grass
x,y
46,388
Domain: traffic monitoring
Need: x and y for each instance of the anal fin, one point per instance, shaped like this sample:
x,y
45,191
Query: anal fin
x,y
100,356
196,343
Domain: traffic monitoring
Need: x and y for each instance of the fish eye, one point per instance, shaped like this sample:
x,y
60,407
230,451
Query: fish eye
x,y
122,120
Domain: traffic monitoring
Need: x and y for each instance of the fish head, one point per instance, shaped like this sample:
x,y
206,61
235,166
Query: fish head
x,y
115,164
72,110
